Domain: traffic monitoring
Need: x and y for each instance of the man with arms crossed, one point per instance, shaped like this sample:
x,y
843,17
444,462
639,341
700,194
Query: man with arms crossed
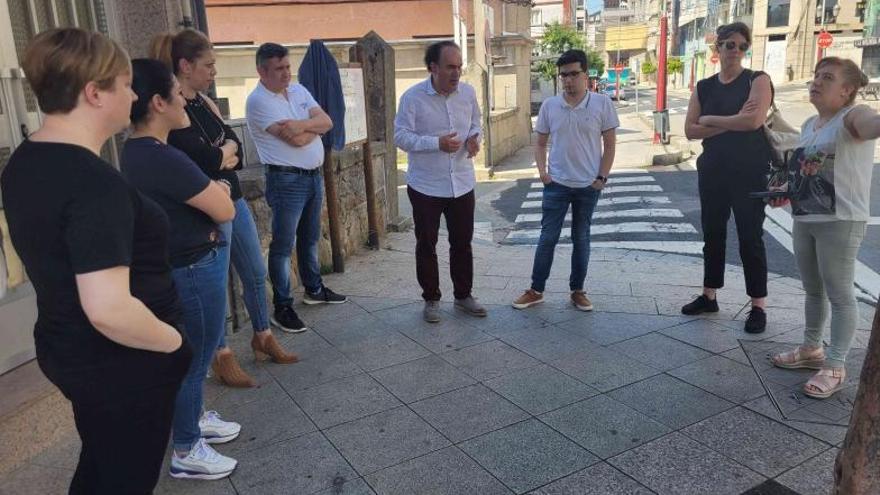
x,y
438,125
582,127
285,123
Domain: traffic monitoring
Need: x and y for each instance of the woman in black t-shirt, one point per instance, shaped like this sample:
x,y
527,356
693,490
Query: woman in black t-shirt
x,y
727,111
215,148
96,252
195,205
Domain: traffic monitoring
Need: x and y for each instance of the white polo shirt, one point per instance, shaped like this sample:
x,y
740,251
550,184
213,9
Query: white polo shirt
x,y
265,108
576,136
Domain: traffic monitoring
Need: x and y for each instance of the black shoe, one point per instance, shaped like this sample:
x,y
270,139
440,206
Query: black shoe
x,y
757,320
326,296
700,305
286,319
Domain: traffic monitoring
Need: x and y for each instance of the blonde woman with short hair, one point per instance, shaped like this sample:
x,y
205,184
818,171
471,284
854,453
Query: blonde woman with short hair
x,y
829,182
96,252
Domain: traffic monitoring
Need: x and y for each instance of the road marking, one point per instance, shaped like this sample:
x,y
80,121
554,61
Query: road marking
x,y
681,247
617,180
616,171
619,228
608,190
631,189
780,227
630,180
623,200
643,212
874,221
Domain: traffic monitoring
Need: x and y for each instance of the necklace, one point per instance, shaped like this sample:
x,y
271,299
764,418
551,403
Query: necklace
x,y
190,110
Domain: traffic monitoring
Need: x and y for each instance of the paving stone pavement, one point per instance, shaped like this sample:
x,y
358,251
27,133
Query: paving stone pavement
x,y
631,398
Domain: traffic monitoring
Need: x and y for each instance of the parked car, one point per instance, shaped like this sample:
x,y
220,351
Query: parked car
x,y
610,90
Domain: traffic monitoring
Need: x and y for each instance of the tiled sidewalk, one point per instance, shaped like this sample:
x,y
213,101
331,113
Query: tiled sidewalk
x,y
632,398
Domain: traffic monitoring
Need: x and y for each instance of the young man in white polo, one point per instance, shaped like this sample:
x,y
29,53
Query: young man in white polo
x,y
580,126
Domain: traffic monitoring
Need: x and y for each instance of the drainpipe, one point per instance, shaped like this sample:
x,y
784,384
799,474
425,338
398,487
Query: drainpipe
x,y
186,9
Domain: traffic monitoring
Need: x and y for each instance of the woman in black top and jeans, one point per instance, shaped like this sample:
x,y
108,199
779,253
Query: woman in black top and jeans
x,y
97,253
215,148
727,112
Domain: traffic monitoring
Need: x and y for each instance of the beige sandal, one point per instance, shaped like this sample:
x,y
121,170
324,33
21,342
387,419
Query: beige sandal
x,y
825,383
800,358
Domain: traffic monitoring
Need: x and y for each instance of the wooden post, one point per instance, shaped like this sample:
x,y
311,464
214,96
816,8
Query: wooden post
x,y
336,246
857,469
377,60
358,55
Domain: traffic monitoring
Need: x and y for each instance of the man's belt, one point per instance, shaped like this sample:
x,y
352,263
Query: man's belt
x,y
287,169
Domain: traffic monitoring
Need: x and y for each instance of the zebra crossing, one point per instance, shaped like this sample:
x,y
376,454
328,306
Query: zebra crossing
x,y
632,213
672,111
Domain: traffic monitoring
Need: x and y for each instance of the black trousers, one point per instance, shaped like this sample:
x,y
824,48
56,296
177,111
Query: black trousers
x,y
124,441
724,187
459,213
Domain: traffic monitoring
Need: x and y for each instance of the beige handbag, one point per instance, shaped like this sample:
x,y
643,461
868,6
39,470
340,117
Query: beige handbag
x,y
781,136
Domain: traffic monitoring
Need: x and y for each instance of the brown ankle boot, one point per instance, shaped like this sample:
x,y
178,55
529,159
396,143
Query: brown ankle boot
x,y
227,370
272,350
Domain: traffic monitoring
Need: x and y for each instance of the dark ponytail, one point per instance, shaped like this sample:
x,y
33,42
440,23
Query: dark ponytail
x,y
150,77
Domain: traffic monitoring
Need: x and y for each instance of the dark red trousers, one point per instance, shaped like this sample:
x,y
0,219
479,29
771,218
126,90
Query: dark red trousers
x,y
459,213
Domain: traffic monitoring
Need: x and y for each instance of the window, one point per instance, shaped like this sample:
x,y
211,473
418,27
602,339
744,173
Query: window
x,y
777,13
536,17
580,25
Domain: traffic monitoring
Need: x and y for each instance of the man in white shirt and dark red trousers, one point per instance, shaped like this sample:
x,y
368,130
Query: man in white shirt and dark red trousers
x,y
582,129
438,125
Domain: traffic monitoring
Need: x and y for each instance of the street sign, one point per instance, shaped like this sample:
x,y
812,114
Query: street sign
x,y
824,39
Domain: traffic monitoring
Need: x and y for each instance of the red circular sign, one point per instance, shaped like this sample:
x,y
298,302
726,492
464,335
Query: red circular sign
x,y
825,39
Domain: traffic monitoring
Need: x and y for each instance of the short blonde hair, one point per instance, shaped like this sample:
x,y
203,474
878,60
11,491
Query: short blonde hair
x,y
59,63
852,74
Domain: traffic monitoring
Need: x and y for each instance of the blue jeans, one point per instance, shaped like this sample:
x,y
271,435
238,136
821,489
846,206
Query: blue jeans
x,y
296,216
202,290
554,206
243,242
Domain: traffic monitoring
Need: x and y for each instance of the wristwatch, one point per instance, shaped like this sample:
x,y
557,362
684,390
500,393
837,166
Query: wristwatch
x,y
602,178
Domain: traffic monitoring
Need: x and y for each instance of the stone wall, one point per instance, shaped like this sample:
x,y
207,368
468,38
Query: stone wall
x,y
350,182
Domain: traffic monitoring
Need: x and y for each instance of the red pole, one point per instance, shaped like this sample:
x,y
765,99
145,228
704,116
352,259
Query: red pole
x,y
661,71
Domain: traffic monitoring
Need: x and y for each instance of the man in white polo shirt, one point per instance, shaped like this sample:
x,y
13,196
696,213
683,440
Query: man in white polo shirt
x,y
581,128
438,125
285,123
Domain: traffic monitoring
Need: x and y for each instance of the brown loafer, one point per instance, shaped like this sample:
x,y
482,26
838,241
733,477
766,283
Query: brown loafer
x,y
228,371
271,349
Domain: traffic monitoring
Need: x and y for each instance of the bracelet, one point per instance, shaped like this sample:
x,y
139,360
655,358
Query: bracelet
x,y
228,184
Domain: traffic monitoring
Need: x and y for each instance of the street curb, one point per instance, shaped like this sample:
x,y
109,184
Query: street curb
x,y
677,151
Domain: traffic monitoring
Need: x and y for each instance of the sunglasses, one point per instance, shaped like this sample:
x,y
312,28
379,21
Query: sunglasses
x,y
730,45
574,73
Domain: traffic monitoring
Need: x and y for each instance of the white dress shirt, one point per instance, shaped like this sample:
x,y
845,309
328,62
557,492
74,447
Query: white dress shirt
x,y
265,108
423,116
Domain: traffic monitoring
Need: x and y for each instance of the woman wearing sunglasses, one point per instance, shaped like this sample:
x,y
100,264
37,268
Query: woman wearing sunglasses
x,y
727,112
216,149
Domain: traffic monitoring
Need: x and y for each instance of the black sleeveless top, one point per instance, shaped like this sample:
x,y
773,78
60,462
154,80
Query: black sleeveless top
x,y
738,147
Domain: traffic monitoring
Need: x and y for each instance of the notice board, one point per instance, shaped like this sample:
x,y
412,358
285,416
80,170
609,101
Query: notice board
x,y
352,77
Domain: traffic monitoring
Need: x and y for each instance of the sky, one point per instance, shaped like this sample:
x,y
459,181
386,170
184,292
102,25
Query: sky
x,y
594,5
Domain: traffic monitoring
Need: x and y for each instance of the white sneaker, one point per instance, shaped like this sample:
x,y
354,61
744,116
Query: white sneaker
x,y
215,430
202,463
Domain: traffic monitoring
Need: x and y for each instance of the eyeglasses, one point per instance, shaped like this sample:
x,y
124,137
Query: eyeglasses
x,y
730,45
574,73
